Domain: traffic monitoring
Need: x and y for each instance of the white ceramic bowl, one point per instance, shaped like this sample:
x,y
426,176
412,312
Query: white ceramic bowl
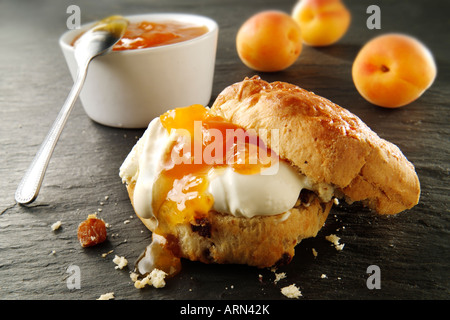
x,y
129,88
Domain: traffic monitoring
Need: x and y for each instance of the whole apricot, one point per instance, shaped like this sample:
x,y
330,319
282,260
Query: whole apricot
x,y
269,41
323,22
393,70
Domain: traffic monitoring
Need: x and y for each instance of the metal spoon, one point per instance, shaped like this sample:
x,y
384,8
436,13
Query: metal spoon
x,y
95,42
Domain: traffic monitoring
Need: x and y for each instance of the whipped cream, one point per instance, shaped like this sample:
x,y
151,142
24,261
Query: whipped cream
x,y
241,195
143,165
244,195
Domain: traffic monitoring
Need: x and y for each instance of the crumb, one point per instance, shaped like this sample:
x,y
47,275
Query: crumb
x,y
134,276
314,252
279,276
336,201
126,222
56,225
291,291
323,276
106,253
155,279
53,252
120,261
106,197
334,239
260,278
107,296
99,209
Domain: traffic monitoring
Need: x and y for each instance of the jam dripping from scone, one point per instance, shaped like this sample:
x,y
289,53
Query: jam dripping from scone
x,y
158,255
203,145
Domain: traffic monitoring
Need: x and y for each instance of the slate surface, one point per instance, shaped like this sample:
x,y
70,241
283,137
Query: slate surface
x,y
411,249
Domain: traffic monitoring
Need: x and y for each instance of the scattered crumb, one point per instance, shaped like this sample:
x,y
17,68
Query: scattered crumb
x,y
134,276
126,222
291,291
334,239
154,278
106,253
314,252
56,225
106,198
53,253
323,276
107,296
279,276
120,261
157,276
336,201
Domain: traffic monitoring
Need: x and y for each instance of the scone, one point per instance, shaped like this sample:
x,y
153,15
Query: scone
x,y
245,181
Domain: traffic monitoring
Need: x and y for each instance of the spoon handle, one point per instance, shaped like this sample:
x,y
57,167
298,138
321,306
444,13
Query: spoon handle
x,y
30,184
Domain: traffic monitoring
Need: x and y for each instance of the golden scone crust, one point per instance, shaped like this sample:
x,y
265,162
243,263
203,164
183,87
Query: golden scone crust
x,y
261,241
324,141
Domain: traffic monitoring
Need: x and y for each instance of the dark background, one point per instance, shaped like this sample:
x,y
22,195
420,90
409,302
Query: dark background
x,y
411,249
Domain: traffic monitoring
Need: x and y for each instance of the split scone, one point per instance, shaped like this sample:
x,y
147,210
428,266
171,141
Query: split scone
x,y
245,181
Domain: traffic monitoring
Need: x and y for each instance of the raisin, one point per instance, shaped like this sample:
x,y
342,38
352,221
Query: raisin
x,y
202,226
92,231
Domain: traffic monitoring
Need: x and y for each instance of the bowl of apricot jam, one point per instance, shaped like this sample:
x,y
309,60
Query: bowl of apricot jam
x,y
163,61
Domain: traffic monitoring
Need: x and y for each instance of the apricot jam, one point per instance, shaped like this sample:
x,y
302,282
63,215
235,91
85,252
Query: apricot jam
x,y
145,34
205,144
153,34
